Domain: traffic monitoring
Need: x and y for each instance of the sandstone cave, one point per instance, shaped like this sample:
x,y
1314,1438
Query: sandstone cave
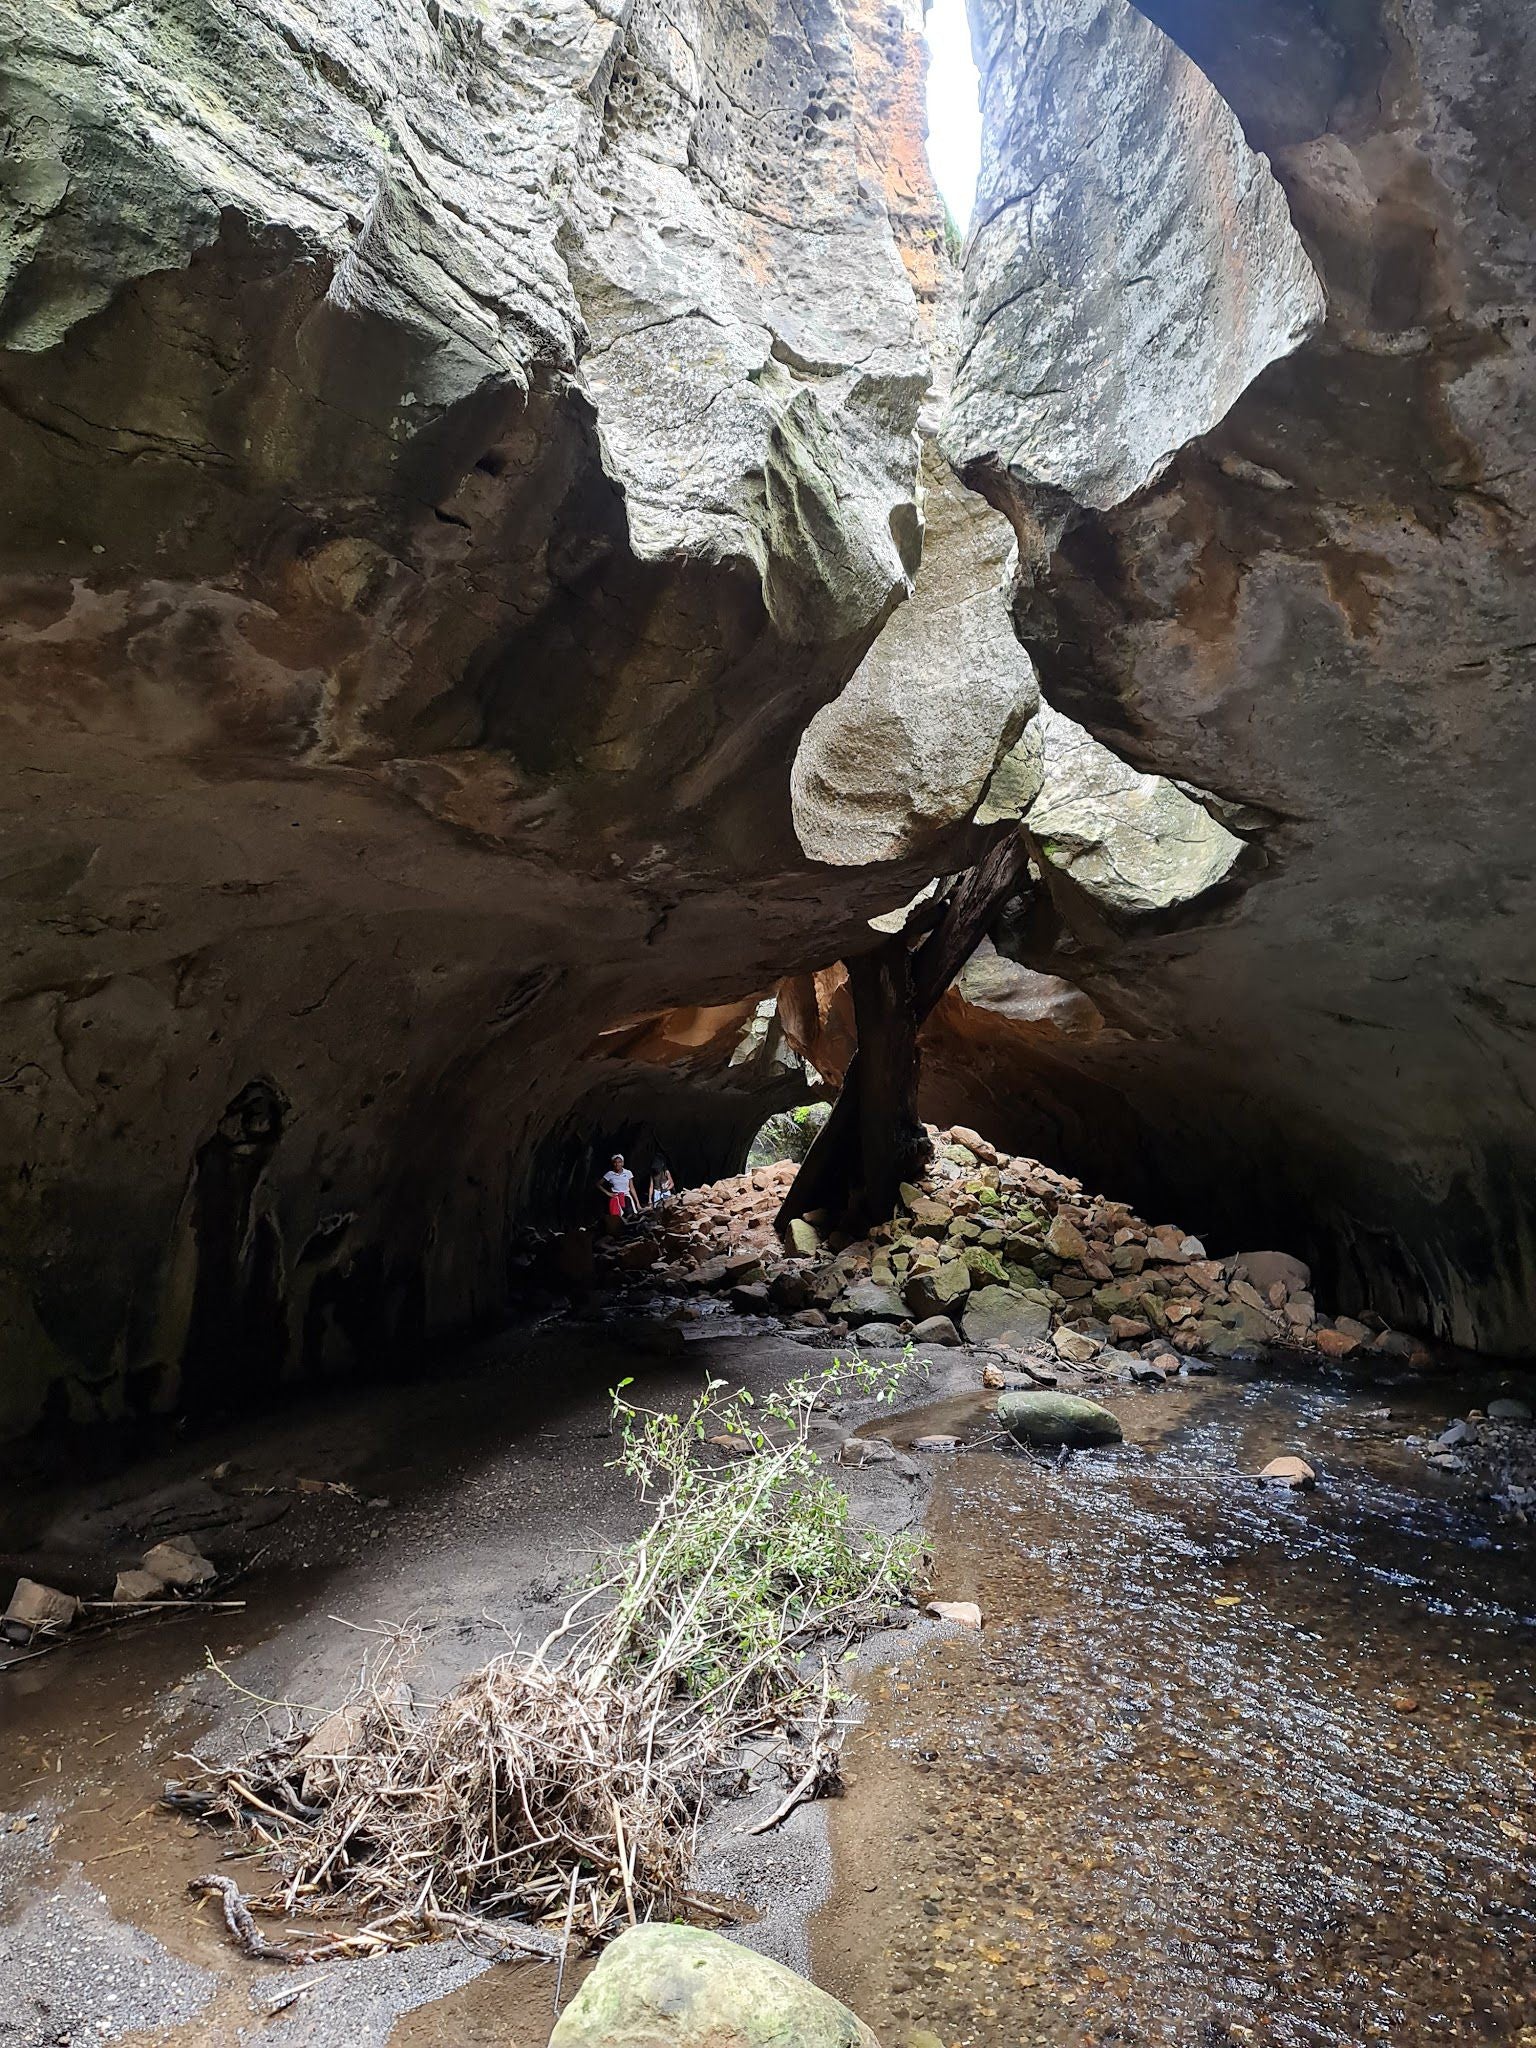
x,y
561,603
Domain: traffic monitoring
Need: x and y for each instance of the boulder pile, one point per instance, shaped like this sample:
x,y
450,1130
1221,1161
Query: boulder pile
x,y
1001,1252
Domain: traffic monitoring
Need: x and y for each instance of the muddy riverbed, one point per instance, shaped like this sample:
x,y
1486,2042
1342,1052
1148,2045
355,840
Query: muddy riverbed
x,y
1223,1765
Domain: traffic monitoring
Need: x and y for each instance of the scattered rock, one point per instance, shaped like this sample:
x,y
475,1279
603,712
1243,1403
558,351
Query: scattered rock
x,y
136,1586
885,1338
1064,1240
1335,1343
1074,1346
752,1299
940,1292
867,1450
935,1443
1294,1473
936,1330
1393,1344
1348,1327
37,1609
663,1985
1038,1415
805,1237
1458,1434
965,1612
179,1564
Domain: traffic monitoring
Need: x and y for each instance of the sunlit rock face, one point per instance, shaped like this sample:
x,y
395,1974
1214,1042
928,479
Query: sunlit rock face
x,y
1304,587
451,453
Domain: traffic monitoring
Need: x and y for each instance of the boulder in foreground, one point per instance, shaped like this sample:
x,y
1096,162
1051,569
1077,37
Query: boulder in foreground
x,y
1040,1416
664,1986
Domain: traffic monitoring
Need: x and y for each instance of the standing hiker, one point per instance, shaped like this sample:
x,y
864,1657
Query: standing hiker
x,y
618,1186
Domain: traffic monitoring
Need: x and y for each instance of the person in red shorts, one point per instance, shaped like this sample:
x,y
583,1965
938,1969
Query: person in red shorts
x,y
618,1186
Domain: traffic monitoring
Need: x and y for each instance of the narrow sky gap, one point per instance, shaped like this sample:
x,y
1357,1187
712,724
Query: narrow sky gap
x,y
954,118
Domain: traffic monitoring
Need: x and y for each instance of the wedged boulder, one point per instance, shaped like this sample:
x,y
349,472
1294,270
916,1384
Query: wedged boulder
x,y
1002,1315
1042,1416
663,1986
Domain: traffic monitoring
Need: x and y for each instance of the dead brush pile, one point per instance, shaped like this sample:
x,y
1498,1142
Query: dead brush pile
x,y
558,1793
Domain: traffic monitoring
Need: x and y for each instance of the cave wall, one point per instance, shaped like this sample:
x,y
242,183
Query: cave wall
x,y
1277,543
449,455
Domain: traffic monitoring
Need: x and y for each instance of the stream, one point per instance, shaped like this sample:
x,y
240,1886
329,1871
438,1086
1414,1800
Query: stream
x,y
1225,1764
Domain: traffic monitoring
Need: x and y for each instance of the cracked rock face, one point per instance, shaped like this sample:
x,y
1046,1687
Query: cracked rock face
x,y
450,454
1132,266
1291,564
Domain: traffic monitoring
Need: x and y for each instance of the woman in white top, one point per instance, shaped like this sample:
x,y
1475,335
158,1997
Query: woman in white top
x,y
618,1184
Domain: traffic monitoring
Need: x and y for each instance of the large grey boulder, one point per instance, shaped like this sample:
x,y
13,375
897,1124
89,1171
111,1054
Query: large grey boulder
x,y
666,1986
1002,1315
920,736
868,1301
1041,1416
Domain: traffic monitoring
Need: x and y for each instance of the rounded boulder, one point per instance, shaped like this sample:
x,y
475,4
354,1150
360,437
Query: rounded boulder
x,y
1039,1416
665,1986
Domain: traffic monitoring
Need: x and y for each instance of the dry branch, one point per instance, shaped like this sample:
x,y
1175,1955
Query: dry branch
x,y
557,1794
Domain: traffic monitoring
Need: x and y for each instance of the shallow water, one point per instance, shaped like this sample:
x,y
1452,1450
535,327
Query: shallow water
x,y
1224,1764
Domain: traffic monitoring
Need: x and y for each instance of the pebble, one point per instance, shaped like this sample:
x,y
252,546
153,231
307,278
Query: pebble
x,y
936,1443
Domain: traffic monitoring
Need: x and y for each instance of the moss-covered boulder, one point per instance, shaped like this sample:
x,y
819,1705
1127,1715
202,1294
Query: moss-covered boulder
x,y
662,1986
1041,1416
1001,1315
939,1293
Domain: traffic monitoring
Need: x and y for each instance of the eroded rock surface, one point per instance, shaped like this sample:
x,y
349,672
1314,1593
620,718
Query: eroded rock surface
x,y
450,455
1321,608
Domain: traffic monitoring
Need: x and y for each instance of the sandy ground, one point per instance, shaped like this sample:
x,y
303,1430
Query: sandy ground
x,y
480,1497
